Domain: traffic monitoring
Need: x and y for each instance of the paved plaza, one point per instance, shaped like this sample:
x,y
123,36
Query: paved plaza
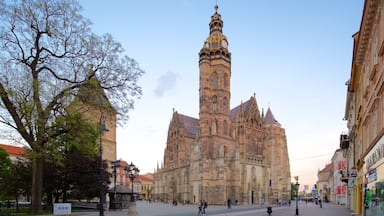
x,y
161,209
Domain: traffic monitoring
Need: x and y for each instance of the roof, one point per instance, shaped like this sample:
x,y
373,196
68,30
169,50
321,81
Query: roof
x,y
190,124
327,168
121,189
270,119
13,150
238,109
144,178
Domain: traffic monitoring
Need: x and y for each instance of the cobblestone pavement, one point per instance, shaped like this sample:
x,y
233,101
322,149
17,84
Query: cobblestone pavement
x,y
161,209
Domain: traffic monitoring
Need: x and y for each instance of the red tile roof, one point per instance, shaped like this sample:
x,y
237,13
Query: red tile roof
x,y
13,150
143,178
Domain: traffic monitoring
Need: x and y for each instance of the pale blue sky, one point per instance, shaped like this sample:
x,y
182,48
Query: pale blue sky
x,y
295,55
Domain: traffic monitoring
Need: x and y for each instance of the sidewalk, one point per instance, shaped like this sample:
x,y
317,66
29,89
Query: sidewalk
x,y
161,209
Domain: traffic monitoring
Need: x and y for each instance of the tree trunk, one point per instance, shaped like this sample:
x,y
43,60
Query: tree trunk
x,y
37,184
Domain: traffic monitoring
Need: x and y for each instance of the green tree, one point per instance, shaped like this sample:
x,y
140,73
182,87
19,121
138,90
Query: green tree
x,y
47,53
75,163
18,181
293,191
5,170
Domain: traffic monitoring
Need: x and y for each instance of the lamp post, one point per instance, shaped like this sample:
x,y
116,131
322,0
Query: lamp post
x,y
132,172
297,186
115,164
103,129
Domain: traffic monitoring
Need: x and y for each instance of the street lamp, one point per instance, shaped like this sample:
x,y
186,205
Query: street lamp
x,y
103,129
115,164
132,172
297,186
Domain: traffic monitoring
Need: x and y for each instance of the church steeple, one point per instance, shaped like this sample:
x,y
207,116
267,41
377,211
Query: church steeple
x,y
216,45
215,79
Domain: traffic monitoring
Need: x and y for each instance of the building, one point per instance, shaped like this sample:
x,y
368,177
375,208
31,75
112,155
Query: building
x,y
14,152
324,183
339,187
364,112
238,153
146,183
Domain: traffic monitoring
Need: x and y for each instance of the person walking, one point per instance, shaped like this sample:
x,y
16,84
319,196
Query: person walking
x,y
201,208
229,203
205,205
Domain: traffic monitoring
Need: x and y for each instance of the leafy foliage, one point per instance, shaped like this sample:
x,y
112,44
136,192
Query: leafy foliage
x,y
5,169
48,56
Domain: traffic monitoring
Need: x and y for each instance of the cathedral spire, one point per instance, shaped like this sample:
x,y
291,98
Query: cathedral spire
x,y
217,43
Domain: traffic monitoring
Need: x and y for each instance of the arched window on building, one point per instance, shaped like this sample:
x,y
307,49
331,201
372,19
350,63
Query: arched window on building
x,y
225,127
215,80
214,103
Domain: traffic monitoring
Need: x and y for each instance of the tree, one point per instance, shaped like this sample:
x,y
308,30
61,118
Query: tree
x,y
48,53
75,162
17,182
5,169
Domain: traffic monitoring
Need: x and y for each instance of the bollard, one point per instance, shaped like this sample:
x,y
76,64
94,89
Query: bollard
x,y
269,210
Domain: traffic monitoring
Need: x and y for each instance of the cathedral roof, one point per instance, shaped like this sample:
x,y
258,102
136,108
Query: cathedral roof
x,y
190,124
270,119
241,108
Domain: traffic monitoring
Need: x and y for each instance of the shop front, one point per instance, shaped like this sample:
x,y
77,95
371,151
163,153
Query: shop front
x,y
374,181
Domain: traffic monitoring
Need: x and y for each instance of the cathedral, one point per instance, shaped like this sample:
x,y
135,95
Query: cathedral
x,y
238,154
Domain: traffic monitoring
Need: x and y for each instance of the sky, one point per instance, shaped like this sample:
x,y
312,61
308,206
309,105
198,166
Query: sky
x,y
294,55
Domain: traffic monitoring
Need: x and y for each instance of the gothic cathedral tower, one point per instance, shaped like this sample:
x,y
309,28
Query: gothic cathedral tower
x,y
215,74
222,154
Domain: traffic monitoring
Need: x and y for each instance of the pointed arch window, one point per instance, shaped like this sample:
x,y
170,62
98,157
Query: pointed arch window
x,y
225,128
215,80
214,103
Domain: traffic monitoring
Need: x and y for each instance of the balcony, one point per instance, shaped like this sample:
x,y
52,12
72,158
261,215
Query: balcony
x,y
344,141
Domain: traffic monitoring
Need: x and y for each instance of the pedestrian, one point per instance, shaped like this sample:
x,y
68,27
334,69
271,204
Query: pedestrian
x,y
200,206
229,203
205,205
289,202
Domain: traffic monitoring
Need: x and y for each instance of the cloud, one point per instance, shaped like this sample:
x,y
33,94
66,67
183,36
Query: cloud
x,y
165,82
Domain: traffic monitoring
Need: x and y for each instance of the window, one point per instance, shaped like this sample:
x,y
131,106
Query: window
x,y
374,123
375,49
367,135
382,110
360,147
215,80
225,80
214,103
225,104
225,128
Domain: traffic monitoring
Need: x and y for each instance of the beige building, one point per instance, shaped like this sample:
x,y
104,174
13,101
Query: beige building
x,y
238,153
324,183
364,145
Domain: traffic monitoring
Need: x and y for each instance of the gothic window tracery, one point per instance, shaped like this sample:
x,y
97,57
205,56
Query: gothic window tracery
x,y
214,103
225,103
215,80
225,80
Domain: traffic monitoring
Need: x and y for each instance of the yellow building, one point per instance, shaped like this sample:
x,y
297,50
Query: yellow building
x,y
365,112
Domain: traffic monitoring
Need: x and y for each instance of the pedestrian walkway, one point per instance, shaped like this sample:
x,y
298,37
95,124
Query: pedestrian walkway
x,y
161,209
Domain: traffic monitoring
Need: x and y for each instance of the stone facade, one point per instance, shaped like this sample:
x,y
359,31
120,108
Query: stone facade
x,y
227,153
